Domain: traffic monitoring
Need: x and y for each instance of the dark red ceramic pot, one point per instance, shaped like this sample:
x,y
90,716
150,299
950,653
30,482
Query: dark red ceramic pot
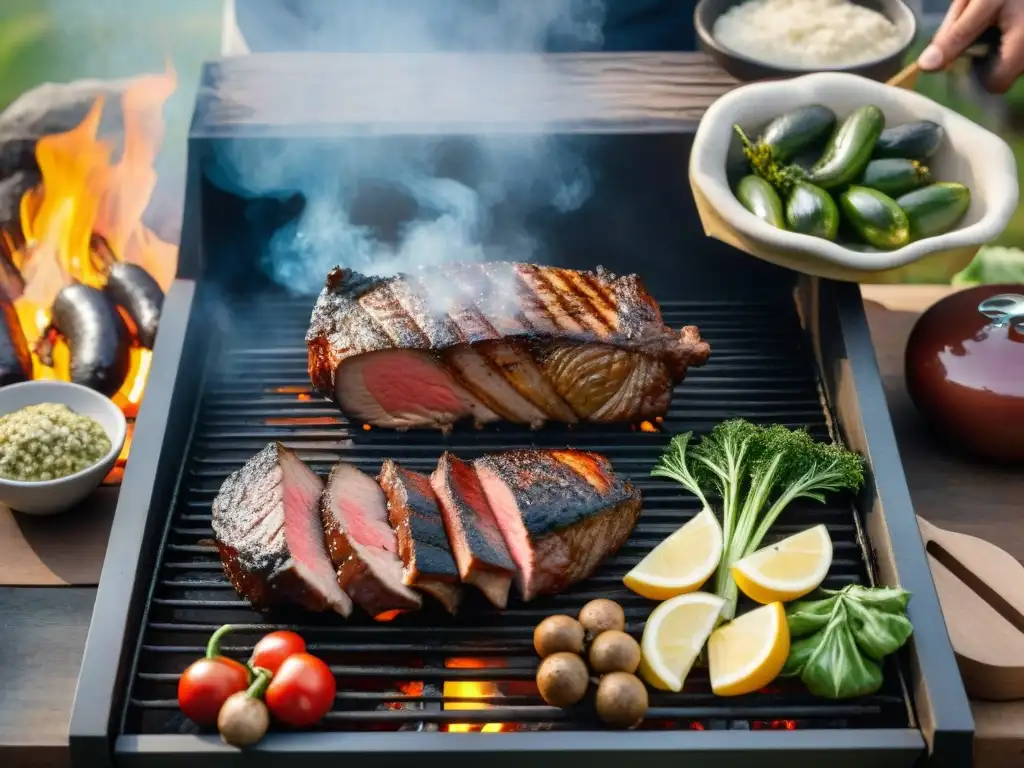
x,y
965,370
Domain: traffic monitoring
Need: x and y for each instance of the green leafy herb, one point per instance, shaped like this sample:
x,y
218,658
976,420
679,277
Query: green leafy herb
x,y
756,472
841,640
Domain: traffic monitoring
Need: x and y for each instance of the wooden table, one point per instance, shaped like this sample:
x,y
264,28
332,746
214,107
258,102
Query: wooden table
x,y
43,629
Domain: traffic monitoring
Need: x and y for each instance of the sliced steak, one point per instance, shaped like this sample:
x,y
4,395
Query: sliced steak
x,y
476,542
561,513
496,341
267,526
422,542
362,545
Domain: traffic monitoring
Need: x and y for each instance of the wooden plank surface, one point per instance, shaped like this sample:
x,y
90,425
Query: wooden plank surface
x,y
950,491
43,629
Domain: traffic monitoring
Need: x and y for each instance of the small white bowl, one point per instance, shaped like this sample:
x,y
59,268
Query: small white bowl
x,y
49,497
970,155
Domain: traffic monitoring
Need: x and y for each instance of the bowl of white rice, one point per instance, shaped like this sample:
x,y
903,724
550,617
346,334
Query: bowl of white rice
x,y
766,39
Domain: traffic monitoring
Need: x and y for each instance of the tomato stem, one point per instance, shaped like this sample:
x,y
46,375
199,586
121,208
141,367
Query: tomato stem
x,y
259,684
213,645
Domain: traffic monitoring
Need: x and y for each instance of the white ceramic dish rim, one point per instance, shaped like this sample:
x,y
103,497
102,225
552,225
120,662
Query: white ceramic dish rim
x,y
116,441
905,41
714,135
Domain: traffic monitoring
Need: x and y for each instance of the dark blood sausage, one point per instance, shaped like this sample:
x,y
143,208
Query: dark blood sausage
x,y
476,541
422,542
266,522
97,337
132,288
15,357
561,513
363,547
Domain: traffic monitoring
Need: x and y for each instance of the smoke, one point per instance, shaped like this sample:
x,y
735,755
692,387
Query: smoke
x,y
443,209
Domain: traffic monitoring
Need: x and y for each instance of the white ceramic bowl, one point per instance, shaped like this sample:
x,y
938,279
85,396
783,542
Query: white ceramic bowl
x,y
970,155
48,497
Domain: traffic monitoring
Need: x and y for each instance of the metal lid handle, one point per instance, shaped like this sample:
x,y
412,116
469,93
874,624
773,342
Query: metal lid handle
x,y
1006,309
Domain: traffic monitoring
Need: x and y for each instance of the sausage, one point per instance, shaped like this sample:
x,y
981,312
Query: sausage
x,y
15,357
133,289
98,339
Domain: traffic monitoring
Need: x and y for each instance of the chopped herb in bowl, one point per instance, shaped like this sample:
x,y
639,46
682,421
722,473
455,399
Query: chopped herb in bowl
x,y
49,441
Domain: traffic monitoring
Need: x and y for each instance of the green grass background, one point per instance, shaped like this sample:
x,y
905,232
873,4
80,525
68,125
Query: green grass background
x,y
64,40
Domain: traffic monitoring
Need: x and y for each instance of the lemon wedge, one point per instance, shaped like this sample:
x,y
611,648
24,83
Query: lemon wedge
x,y
674,634
682,562
786,570
749,652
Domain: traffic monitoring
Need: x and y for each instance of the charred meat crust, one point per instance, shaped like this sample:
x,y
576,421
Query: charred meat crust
x,y
362,546
414,514
97,337
132,288
513,315
251,532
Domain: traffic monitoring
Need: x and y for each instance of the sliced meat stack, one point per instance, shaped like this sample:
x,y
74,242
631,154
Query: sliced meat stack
x,y
479,549
544,518
363,547
560,512
495,341
266,522
422,540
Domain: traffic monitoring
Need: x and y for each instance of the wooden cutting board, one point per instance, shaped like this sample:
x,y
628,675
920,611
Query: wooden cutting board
x,y
981,588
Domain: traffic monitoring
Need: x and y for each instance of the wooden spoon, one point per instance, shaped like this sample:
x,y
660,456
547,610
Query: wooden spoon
x,y
981,590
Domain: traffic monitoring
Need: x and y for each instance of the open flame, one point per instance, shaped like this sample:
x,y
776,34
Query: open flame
x,y
86,211
469,689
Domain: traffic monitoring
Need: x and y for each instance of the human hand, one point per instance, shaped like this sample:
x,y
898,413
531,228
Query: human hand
x,y
964,23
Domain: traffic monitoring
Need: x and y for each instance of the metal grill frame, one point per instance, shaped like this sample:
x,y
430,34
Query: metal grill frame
x,y
652,94
832,313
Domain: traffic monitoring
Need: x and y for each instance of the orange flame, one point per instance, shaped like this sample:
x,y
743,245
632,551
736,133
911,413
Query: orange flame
x,y
469,689
87,211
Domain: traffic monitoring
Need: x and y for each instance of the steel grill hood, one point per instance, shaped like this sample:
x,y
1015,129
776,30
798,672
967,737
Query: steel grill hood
x,y
229,376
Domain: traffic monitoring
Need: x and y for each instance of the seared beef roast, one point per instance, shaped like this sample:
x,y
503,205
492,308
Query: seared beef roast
x,y
561,513
363,547
477,543
422,541
493,341
267,526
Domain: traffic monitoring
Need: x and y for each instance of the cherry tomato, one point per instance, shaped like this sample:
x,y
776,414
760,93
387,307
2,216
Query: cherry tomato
x,y
273,649
302,691
206,684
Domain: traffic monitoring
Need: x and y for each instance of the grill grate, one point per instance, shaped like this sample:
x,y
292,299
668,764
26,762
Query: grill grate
x,y
393,675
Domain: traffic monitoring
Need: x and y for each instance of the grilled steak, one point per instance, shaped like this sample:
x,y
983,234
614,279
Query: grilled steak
x,y
477,543
363,547
561,513
422,541
267,527
495,341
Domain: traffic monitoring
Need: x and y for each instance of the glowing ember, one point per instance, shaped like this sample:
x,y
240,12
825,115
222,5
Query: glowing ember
x,y
86,212
465,689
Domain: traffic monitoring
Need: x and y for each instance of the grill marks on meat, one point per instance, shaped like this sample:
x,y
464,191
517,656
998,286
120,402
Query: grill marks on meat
x,y
362,545
422,542
546,518
495,341
561,513
476,541
267,527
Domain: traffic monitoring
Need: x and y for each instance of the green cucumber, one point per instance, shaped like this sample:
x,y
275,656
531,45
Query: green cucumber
x,y
875,217
894,176
849,149
760,198
935,209
791,132
912,141
811,210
